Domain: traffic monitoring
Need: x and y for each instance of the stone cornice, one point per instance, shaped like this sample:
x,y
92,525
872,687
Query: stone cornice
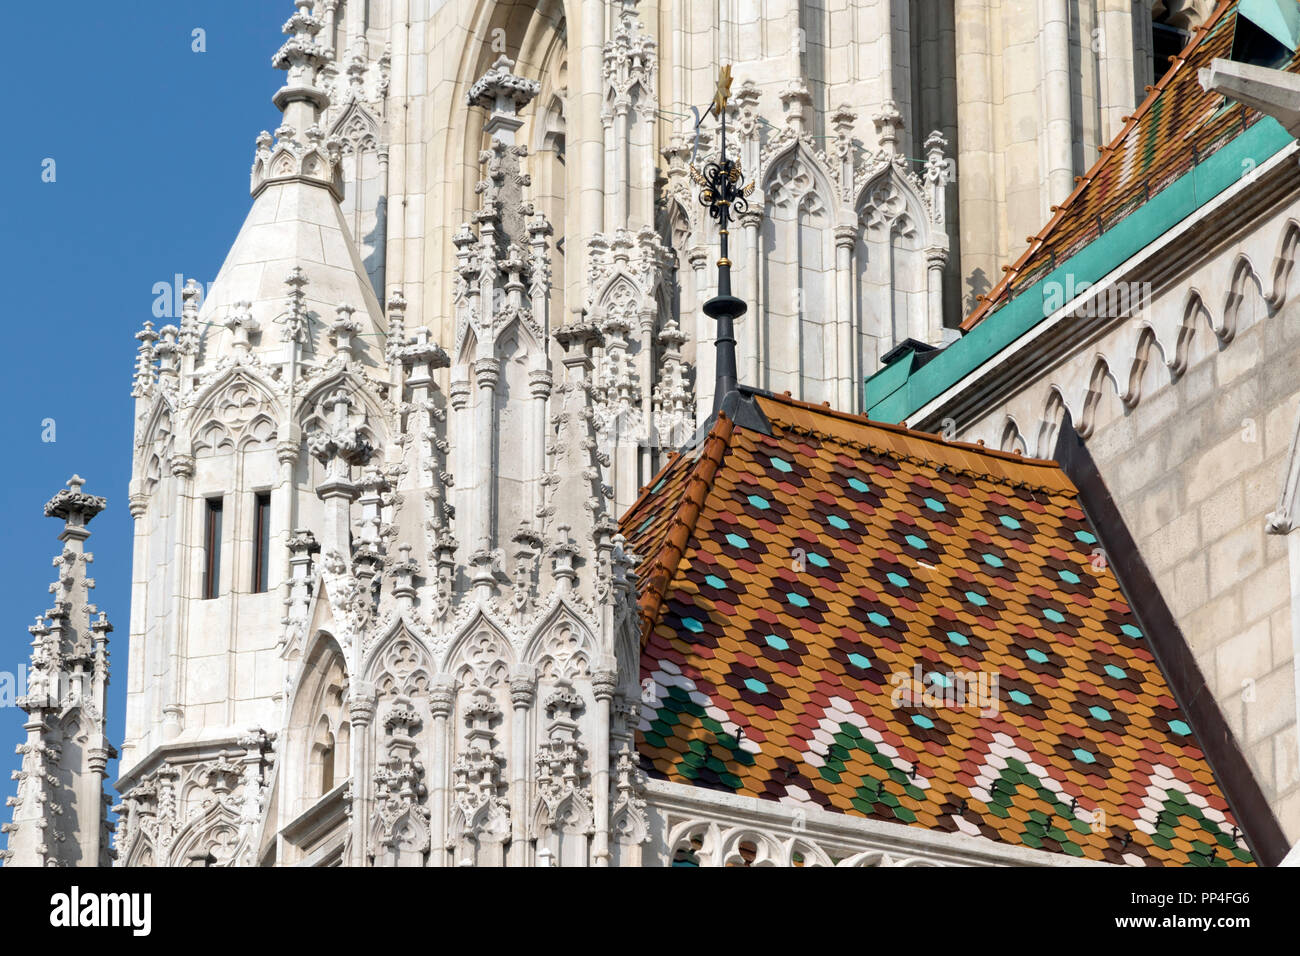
x,y
840,836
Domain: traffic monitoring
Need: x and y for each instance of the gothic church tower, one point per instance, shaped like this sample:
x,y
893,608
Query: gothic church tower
x,y
339,653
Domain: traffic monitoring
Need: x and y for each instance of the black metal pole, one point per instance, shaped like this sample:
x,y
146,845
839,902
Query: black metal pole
x,y
721,192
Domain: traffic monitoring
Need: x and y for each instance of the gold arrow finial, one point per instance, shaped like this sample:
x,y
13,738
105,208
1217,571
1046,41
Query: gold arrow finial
x,y
724,91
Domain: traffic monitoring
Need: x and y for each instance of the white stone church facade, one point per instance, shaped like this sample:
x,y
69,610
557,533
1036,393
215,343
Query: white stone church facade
x,y
381,610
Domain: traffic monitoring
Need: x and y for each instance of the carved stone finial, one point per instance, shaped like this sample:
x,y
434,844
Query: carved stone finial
x,y
503,94
889,127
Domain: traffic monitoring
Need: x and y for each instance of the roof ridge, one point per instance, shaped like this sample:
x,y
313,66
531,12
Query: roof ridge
x,y
682,525
995,297
942,454
858,418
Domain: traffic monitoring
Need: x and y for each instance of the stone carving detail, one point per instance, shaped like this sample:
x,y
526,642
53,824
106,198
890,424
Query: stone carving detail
x,y
200,813
404,671
793,187
400,832
563,817
885,209
481,819
708,844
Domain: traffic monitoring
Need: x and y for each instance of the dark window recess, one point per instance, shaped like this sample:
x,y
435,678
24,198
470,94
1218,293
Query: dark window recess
x,y
1166,41
261,541
212,549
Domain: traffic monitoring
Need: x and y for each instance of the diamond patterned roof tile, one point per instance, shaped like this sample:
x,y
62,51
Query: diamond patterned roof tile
x,y
803,620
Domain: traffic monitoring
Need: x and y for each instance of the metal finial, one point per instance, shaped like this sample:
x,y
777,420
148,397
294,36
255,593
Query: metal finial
x,y
723,193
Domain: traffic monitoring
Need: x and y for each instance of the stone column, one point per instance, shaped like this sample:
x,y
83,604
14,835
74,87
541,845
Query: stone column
x,y
705,360
591,133
283,501
935,260
604,681
138,656
846,397
487,373
539,387
462,424
645,369
442,697
183,570
755,347
622,163
356,28
396,119
1054,55
523,688
361,715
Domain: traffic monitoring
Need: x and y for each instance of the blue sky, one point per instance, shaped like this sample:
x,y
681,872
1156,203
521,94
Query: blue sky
x,y
152,144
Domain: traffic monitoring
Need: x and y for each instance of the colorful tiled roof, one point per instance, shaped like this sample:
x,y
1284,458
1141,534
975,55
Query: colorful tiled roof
x,y
812,599
1176,127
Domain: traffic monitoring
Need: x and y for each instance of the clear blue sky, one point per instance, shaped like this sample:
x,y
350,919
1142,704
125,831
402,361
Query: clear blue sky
x,y
152,144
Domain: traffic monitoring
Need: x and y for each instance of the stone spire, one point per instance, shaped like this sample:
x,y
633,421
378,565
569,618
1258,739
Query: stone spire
x,y
295,238
298,150
497,334
59,812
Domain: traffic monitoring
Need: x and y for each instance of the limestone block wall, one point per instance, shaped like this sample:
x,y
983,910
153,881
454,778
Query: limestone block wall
x,y
1196,469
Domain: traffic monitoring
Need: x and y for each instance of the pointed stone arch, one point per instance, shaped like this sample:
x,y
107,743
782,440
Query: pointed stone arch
x,y
360,389
890,200
1101,384
520,31
482,647
562,650
894,234
1012,440
142,853
217,838
562,828
794,174
399,664
1194,318
234,399
1284,264
356,129
157,430
1141,370
321,690
1050,422
1244,304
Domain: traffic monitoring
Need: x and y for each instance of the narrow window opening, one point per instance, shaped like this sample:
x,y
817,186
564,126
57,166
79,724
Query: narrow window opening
x,y
327,765
212,549
261,541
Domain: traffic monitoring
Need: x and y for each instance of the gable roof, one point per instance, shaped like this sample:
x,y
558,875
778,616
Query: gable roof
x,y
793,584
1175,128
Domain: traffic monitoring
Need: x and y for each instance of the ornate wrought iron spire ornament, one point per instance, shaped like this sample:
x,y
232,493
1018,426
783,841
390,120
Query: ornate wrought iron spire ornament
x,y
723,193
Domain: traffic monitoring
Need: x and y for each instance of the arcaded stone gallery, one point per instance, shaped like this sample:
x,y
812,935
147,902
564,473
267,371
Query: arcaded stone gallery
x,y
744,433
